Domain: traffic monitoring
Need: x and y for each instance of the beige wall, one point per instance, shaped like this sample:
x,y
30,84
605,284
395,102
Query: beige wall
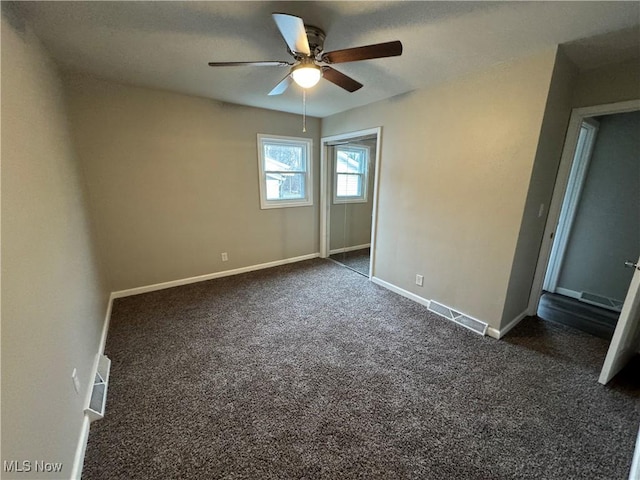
x,y
540,188
569,89
53,303
457,162
173,182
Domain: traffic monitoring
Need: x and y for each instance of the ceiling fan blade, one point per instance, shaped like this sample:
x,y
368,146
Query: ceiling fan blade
x,y
340,79
293,31
281,87
368,52
250,64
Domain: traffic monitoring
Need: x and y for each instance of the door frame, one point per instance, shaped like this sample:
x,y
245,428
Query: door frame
x,y
325,198
571,200
578,115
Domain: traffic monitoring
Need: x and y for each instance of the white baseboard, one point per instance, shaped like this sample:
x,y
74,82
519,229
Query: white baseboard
x,y
614,305
492,332
81,448
209,276
401,291
105,332
349,249
78,461
498,334
568,293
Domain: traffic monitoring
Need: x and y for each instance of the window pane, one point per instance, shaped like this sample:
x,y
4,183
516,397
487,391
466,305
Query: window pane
x,y
349,185
283,157
284,186
350,161
285,165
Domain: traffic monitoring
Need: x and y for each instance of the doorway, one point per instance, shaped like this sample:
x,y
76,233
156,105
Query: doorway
x,y
593,225
349,166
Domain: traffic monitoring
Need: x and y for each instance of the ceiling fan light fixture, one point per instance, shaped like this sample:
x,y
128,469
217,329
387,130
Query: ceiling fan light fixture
x,y
305,43
306,75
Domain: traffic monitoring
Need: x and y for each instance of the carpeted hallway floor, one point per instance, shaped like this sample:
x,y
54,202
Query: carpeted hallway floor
x,y
311,371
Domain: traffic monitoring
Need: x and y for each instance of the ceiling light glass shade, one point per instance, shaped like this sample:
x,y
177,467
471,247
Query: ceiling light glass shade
x,y
306,75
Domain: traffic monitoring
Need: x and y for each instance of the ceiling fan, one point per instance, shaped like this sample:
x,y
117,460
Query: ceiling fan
x,y
305,44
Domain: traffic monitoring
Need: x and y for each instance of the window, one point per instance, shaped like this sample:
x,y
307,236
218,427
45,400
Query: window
x,y
285,171
351,175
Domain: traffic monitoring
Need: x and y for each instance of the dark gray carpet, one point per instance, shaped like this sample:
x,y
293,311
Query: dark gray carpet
x,y
357,260
311,371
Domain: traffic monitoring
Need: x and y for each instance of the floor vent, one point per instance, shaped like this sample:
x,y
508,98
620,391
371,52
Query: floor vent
x,y
98,400
599,300
460,318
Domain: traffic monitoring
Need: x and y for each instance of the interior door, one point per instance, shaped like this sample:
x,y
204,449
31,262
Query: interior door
x,y
626,338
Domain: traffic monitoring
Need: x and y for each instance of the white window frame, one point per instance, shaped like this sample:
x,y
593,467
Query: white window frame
x,y
307,145
365,176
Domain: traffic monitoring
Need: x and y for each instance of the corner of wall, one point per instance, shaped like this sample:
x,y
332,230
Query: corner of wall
x,y
543,174
53,289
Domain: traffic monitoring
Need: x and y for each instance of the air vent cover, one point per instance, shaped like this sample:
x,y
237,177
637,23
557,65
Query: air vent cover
x,y
601,301
460,318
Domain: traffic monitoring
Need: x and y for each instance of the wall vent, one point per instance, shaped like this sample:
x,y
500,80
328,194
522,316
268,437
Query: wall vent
x,y
460,318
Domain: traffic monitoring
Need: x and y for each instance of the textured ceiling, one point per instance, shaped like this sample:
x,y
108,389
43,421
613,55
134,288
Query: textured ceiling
x,y
168,44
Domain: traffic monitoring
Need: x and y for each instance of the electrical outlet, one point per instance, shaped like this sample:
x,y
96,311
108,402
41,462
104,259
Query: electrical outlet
x,y
224,256
76,381
419,280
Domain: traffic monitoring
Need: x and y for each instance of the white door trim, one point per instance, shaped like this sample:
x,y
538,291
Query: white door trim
x,y
569,208
562,178
325,202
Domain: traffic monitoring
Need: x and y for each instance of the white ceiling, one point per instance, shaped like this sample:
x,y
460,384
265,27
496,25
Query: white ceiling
x,y
168,44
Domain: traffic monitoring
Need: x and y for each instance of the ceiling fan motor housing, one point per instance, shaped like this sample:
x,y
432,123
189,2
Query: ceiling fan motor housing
x,y
316,37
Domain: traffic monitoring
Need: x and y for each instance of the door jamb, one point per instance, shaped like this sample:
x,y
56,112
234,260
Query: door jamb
x,y
568,152
325,201
571,200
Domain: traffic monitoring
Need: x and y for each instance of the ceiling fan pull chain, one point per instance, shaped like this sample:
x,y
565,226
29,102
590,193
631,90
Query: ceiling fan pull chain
x,y
304,110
